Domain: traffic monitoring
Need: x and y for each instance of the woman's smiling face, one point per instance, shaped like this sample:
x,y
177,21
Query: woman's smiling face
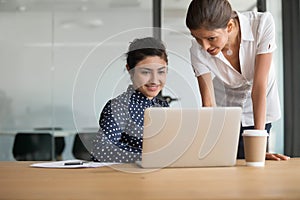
x,y
149,76
212,41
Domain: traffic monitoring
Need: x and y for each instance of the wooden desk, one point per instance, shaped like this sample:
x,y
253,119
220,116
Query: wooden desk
x,y
277,180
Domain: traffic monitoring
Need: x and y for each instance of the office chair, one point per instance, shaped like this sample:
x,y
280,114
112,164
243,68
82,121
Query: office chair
x,y
59,142
83,144
33,147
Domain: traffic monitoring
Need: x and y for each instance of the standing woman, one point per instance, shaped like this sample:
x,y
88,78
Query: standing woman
x,y
231,55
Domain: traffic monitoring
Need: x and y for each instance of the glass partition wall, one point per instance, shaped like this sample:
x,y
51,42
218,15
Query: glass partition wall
x,y
58,58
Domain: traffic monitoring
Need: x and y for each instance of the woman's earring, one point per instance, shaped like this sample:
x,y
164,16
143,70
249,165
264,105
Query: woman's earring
x,y
229,52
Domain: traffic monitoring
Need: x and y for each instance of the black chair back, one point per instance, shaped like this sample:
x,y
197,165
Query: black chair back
x,y
59,142
83,144
33,147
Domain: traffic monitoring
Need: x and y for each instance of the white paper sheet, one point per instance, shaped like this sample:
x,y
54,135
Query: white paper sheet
x,y
62,164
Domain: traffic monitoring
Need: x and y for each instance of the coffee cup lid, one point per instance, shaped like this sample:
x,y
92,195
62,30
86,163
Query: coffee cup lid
x,y
255,132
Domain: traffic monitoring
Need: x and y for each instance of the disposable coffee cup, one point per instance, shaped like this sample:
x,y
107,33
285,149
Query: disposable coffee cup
x,y
255,147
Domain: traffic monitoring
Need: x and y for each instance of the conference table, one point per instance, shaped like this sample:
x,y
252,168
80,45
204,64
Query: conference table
x,y
277,180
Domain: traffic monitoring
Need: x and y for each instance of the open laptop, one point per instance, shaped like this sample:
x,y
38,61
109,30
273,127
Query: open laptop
x,y
182,137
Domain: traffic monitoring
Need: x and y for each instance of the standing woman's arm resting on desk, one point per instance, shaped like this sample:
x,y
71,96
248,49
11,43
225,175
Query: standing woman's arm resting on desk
x,y
206,90
259,89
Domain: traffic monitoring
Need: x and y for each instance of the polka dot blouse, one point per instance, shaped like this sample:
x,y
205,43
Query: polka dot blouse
x,y
120,136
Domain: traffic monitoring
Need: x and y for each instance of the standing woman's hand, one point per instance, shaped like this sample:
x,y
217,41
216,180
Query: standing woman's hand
x,y
276,156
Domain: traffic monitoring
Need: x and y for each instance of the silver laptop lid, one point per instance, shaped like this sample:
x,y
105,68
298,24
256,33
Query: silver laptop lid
x,y
182,137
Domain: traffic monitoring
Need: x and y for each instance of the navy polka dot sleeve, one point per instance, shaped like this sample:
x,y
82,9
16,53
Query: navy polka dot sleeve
x,y
120,136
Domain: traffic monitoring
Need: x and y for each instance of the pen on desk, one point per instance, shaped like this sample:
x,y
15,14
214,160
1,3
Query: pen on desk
x,y
74,163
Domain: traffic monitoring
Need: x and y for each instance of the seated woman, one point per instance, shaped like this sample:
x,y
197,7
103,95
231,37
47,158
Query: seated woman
x,y
120,136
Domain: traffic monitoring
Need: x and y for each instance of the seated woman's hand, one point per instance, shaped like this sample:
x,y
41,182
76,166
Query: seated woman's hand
x,y
276,156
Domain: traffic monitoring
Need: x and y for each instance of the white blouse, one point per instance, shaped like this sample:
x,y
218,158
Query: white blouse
x,y
231,87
